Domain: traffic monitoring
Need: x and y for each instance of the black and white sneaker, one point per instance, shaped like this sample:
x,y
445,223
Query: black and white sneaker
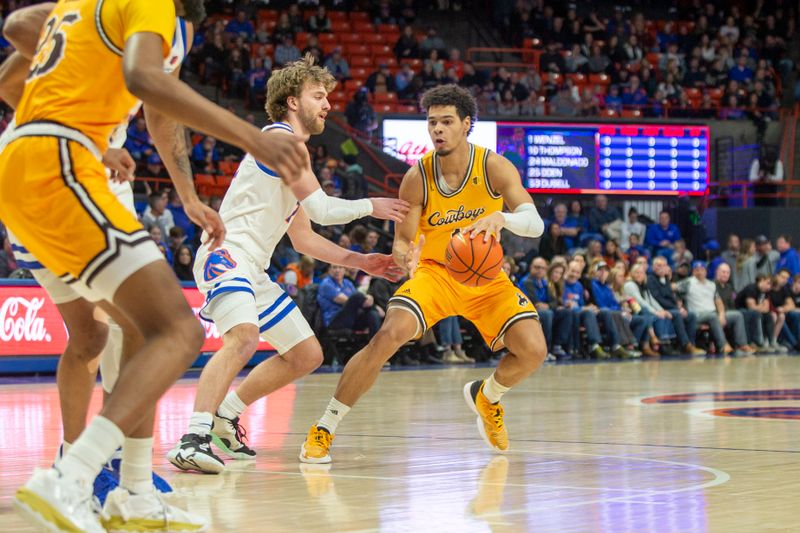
x,y
193,452
228,435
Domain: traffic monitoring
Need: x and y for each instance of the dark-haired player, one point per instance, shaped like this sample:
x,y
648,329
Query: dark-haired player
x,y
455,178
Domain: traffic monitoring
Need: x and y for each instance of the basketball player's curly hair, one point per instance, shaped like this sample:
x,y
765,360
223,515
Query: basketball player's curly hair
x,y
289,81
453,95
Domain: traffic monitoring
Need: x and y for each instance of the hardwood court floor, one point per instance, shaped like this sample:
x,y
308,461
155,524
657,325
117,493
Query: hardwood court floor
x,y
588,453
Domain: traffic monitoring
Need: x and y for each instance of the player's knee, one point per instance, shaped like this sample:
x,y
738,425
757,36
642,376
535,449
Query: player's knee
x,y
187,333
309,360
531,351
388,340
243,340
88,342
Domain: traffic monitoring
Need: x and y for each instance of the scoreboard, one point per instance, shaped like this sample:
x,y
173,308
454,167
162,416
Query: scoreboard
x,y
636,159
582,158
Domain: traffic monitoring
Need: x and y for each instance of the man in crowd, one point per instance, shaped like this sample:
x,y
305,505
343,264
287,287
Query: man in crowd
x,y
660,288
754,303
552,317
661,237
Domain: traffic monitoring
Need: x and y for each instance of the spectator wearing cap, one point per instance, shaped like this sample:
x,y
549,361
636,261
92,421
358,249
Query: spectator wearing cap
x,y
381,80
337,65
685,322
155,168
701,297
789,260
661,237
713,257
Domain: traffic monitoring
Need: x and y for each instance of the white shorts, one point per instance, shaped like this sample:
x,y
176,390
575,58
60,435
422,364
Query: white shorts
x,y
238,291
58,290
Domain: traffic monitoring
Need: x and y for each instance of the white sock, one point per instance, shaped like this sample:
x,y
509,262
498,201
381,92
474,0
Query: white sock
x,y
200,423
493,390
232,406
333,415
89,453
137,466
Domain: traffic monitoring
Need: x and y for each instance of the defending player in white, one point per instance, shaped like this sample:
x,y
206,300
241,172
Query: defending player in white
x,y
241,299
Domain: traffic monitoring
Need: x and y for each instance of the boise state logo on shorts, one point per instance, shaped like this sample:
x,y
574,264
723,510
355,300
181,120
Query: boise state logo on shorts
x,y
219,262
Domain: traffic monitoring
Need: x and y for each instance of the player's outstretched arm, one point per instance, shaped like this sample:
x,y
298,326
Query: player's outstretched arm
x,y
306,241
404,250
523,219
329,210
145,78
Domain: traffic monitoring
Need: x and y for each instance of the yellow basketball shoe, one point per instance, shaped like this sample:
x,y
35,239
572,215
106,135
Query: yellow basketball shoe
x,y
315,448
490,416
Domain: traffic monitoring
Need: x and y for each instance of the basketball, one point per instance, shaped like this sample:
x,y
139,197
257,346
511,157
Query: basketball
x,y
473,262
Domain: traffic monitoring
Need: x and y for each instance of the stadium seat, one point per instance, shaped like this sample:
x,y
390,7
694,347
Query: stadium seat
x,y
359,16
384,108
360,61
360,73
327,38
364,27
407,109
608,113
358,49
629,113
349,38
340,26
531,42
351,86
389,61
338,107
376,38
380,49
599,79
337,96
337,16
385,98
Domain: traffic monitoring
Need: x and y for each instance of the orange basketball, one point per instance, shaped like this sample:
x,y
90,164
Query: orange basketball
x,y
473,262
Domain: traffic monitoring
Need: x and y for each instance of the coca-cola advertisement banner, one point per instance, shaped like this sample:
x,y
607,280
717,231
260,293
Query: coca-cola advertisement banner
x,y
30,323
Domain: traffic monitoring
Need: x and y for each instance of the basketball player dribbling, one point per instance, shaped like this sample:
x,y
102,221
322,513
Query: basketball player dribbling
x,y
454,178
94,60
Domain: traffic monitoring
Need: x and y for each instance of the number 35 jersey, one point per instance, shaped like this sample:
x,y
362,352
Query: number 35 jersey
x,y
76,75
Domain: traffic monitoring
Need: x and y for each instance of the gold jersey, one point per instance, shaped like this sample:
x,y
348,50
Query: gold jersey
x,y
76,75
445,211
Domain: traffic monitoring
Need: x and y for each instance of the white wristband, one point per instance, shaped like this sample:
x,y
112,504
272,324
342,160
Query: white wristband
x,y
524,221
328,210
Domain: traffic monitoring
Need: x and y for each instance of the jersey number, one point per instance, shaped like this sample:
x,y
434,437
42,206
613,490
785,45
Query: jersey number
x,y
51,47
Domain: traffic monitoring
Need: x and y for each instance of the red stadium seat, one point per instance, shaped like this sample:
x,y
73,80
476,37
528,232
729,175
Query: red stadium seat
x,y
361,16
349,38
228,167
364,27
337,15
416,64
407,109
338,107
325,38
376,38
385,98
340,26
351,86
360,61
599,79
358,49
630,113
608,113
389,61
360,73
338,96
380,49
531,42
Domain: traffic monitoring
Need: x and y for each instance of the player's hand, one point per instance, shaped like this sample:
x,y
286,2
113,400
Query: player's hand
x,y
285,153
411,259
382,266
120,163
209,220
489,225
390,208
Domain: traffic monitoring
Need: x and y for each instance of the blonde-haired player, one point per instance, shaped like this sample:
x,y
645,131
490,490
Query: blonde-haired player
x,y
258,210
94,59
453,179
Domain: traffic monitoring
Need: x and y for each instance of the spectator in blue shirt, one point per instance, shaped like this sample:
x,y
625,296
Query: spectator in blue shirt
x,y
789,259
138,143
569,227
205,155
583,315
741,72
661,237
343,307
240,26
257,81
551,315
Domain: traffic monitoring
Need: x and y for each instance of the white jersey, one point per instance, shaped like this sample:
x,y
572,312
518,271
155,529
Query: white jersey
x,y
257,209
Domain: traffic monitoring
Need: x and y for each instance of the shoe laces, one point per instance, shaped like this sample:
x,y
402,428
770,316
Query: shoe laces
x,y
241,434
322,438
496,415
